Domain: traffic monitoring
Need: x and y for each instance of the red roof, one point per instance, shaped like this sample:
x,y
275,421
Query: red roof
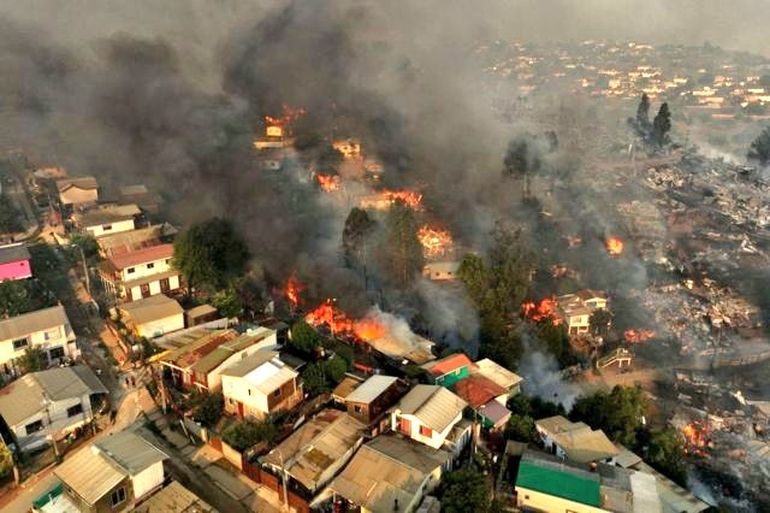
x,y
189,359
449,364
478,390
142,256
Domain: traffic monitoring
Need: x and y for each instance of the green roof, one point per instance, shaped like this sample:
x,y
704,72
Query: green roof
x,y
559,483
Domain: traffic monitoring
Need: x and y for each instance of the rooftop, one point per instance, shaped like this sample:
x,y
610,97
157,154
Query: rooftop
x,y
83,182
32,322
106,214
264,370
578,440
448,364
13,253
151,309
346,387
174,498
371,389
217,357
134,240
478,390
435,406
141,256
196,345
559,481
497,373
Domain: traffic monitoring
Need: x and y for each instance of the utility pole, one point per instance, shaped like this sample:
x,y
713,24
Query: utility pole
x,y
283,478
85,270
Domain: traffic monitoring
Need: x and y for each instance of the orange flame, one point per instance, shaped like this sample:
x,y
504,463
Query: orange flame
x,y
435,241
542,311
289,116
696,436
614,246
292,290
328,183
340,324
369,329
412,199
637,336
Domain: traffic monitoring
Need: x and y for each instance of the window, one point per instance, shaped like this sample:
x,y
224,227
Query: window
x,y
168,261
118,496
277,393
106,227
357,408
151,265
51,334
75,410
56,353
426,431
249,391
34,427
130,270
20,344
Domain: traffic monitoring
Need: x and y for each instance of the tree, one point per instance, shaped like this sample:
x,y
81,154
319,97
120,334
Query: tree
x,y
556,339
34,359
15,298
618,413
643,115
521,428
6,460
599,323
664,450
358,226
304,337
760,148
210,254
9,216
209,410
87,244
661,126
246,434
335,369
402,253
227,302
314,379
465,490
522,160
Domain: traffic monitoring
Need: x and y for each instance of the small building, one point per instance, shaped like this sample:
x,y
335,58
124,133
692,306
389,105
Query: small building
x,y
487,399
200,314
78,192
113,474
142,273
316,451
153,316
441,271
576,309
48,405
134,240
449,370
427,414
345,387
107,219
14,263
48,329
575,441
260,385
498,374
389,474
174,498
370,401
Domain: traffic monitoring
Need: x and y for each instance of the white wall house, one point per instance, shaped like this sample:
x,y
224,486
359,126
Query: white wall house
x,y
258,339
153,316
427,414
50,404
47,329
141,274
107,219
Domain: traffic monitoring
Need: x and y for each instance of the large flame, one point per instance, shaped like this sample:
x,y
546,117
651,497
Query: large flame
x,y
338,322
292,290
328,183
435,241
369,329
542,311
637,336
696,437
614,246
385,199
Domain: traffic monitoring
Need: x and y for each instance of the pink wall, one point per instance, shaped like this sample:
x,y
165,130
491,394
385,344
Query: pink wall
x,y
18,270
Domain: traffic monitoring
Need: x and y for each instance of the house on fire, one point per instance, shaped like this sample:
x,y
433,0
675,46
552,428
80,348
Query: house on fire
x,y
575,441
50,404
259,385
48,329
14,263
315,452
113,474
142,273
576,309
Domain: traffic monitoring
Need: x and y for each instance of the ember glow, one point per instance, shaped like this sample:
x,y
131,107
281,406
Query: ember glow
x,y
614,246
369,329
435,241
696,436
637,336
288,116
542,311
338,322
292,290
328,183
385,199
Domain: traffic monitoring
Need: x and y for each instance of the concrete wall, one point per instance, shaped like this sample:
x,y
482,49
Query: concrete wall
x,y
110,228
436,440
161,326
538,501
147,480
237,390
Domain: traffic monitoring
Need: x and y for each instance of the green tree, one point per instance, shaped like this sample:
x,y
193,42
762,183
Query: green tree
x,y
304,337
9,216
209,410
34,359
521,428
334,369
210,254
618,413
465,490
643,115
664,450
6,460
358,226
246,434
228,302
314,379
402,252
556,339
760,148
599,323
661,126
87,244
15,298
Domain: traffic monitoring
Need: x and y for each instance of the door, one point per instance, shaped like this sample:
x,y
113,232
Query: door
x,y
164,286
405,426
240,409
145,290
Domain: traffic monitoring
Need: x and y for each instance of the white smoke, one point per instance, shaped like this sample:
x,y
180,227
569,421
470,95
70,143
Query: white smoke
x,y
543,378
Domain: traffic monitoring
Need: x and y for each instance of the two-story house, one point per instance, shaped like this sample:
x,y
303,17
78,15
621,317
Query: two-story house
x,y
260,385
575,441
48,329
371,399
576,309
41,407
449,370
14,263
113,474
427,414
142,273
107,219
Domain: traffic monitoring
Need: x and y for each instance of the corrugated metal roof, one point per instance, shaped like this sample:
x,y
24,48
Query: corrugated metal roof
x,y
448,364
559,481
578,440
131,452
106,214
250,363
497,373
316,445
32,322
371,389
495,412
434,405
214,359
151,309
478,390
13,253
197,344
81,182
174,498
